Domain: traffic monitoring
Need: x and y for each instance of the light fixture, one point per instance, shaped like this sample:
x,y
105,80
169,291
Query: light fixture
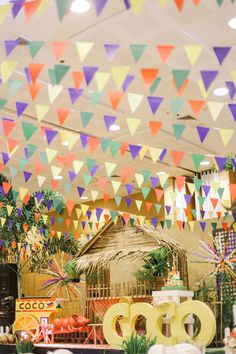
x,y
84,197
161,173
4,2
205,163
58,177
80,6
232,23
114,127
65,143
221,91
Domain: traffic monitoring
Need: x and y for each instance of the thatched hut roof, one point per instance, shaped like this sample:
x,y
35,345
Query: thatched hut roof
x,y
117,241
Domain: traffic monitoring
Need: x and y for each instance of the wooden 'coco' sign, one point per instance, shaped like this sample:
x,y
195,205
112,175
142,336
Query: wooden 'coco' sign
x,y
128,314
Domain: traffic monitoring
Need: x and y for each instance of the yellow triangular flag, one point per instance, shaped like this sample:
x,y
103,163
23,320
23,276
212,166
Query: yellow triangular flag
x,y
191,225
54,91
110,167
72,139
3,220
78,212
84,208
83,49
226,203
115,185
215,109
163,178
193,52
41,180
9,209
56,171
51,153
7,68
59,235
226,135
173,196
141,219
139,179
41,111
233,74
75,222
215,186
119,74
191,187
42,7
133,124
22,192
102,79
155,153
143,151
94,194
138,204
4,9
137,5
202,88
134,101
45,218
77,165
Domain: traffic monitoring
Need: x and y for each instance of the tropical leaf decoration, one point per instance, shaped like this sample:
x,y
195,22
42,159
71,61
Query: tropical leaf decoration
x,y
137,344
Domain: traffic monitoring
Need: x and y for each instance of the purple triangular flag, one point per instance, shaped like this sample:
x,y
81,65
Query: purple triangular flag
x,y
154,103
80,190
10,223
154,222
231,87
74,94
5,158
50,135
154,181
19,212
232,107
27,175
221,53
234,163
16,8
206,190
127,4
202,132
2,191
129,188
93,170
10,45
89,72
72,175
53,219
163,154
84,140
99,212
89,214
48,204
127,82
111,50
208,76
202,212
221,161
187,198
26,151
20,108
168,208
38,196
109,120
134,150
27,74
83,223
234,216
99,6
0,243
128,202
203,225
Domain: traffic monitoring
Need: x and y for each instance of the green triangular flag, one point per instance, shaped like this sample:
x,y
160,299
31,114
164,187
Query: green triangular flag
x,y
154,85
132,222
168,223
60,72
67,187
15,195
62,8
175,105
214,226
94,97
198,183
180,76
117,200
52,76
56,202
2,102
87,179
165,185
34,47
60,221
197,159
114,147
22,163
145,191
28,214
104,144
162,224
194,212
137,50
90,163
219,2
146,174
31,149
113,214
85,118
201,200
220,192
158,208
44,157
14,86
28,130
13,172
178,130
90,224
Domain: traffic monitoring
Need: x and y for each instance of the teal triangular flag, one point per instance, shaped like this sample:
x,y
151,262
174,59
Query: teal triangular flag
x,y
34,47
113,214
85,118
175,105
14,86
168,223
194,212
52,76
60,72
90,163
15,195
178,130
146,174
22,163
62,8
201,200
67,187
154,85
158,207
104,144
44,158
2,102
137,50
114,147
87,179
94,97
31,149
220,192
117,200
13,172
197,159
198,183
180,76
28,130
145,191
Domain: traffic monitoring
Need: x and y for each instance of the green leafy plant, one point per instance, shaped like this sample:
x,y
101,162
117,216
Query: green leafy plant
x,y
24,343
137,344
71,270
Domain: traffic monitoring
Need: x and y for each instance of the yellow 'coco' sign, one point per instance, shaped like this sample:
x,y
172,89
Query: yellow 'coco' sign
x,y
128,314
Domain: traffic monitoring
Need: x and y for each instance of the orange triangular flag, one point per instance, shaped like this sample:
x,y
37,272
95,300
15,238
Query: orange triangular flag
x,y
196,2
159,194
8,126
126,217
102,182
196,105
11,144
125,173
106,197
52,233
62,114
26,198
179,180
6,187
78,77
34,70
36,216
34,89
69,206
180,224
59,48
218,214
214,202
54,184
165,51
149,75
68,222
93,143
232,188
30,7
182,88
177,157
106,218
97,225
225,225
115,98
154,126
148,205
179,4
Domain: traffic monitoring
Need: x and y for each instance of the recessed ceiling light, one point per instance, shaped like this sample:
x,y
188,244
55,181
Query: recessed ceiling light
x,y
161,173
80,6
58,177
205,163
232,23
84,197
114,127
221,91
65,143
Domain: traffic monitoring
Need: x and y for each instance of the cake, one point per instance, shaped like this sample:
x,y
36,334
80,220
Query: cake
x,y
174,282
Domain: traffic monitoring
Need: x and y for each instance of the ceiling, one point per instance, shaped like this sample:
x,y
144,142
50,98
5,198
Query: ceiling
x,y
204,25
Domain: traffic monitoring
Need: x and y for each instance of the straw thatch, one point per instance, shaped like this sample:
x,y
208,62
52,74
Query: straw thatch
x,y
116,242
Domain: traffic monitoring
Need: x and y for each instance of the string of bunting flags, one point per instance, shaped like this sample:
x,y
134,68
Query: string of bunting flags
x,y
39,7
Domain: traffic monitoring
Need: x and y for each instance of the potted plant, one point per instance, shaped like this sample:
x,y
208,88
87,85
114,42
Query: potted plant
x,y
137,344
24,344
